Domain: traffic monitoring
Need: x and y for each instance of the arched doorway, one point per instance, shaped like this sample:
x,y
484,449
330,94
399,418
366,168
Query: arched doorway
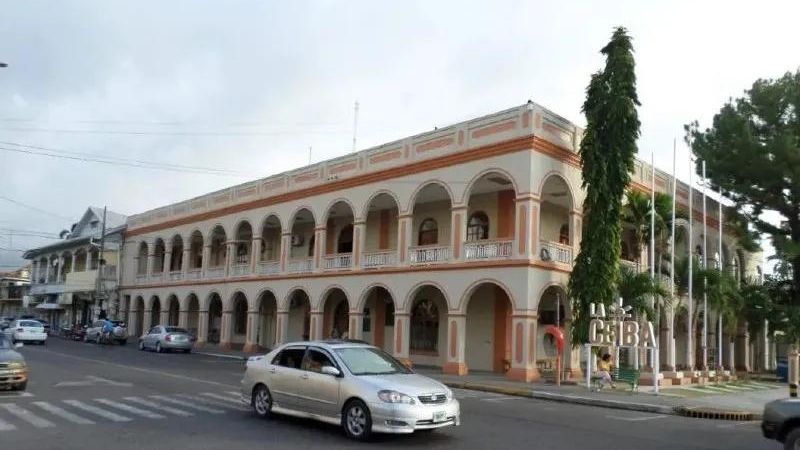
x,y
159,254
267,316
176,258
270,246
490,218
244,245
141,260
239,319
431,225
428,327
196,251
302,244
218,251
298,328
336,315
380,245
155,312
174,311
139,315
553,310
339,236
214,318
488,329
193,308
555,228
378,328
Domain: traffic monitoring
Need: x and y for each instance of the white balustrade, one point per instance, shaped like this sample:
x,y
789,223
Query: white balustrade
x,y
301,265
238,270
156,277
429,254
175,275
215,272
487,249
339,262
269,267
141,278
553,251
380,259
193,274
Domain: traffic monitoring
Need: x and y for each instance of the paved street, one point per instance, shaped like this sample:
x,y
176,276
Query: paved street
x,y
83,396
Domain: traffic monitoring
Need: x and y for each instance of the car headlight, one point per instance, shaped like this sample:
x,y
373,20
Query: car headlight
x,y
448,393
395,397
16,365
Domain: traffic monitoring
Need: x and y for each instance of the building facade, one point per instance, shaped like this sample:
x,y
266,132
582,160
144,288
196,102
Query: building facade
x,y
450,248
14,288
69,281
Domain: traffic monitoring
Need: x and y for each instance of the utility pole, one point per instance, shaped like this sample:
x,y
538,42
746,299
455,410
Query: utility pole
x,y
99,296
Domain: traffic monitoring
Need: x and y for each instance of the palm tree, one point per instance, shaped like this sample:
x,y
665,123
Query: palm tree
x,y
636,215
636,290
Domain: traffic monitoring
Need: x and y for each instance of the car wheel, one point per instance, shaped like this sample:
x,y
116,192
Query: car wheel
x,y
262,401
792,441
357,421
158,347
141,346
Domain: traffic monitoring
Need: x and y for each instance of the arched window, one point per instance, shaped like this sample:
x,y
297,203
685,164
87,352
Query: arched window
x,y
563,234
428,232
311,243
345,244
425,326
478,226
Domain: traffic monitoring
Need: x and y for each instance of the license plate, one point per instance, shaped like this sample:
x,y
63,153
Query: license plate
x,y
439,416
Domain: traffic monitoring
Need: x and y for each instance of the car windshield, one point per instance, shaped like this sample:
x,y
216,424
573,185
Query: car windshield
x,y
30,323
176,330
370,361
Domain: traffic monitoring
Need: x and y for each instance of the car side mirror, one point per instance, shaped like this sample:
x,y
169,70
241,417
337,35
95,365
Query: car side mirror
x,y
18,345
330,370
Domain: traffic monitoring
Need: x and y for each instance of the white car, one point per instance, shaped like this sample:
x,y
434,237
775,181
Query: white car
x,y
26,330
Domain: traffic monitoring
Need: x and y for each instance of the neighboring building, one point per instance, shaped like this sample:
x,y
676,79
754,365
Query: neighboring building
x,y
66,275
451,248
14,288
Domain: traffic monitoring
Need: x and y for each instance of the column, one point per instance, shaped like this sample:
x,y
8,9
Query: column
x,y
147,320
202,328
35,271
405,225
230,256
250,340
320,242
167,262
315,326
133,321
458,231
359,238
151,260
163,315
286,245
255,254
183,318
88,260
185,263
47,271
572,356
59,268
456,345
206,258
226,330
526,231
670,340
281,327
575,232
402,330
74,262
523,348
356,326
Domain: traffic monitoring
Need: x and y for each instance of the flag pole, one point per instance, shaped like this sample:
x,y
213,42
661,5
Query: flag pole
x,y
656,319
690,360
704,264
671,343
721,266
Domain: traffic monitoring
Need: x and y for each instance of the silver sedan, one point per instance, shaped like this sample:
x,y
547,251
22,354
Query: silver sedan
x,y
354,385
165,338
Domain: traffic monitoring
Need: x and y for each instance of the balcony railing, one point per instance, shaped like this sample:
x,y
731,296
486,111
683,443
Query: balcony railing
x,y
553,251
193,274
175,275
339,262
240,269
300,266
141,277
487,249
242,259
380,259
156,277
215,272
269,267
429,254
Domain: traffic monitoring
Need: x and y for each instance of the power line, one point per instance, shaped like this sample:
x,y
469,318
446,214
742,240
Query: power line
x,y
33,208
12,249
168,133
22,230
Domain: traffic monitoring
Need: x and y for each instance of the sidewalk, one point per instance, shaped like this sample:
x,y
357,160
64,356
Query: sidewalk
x,y
731,401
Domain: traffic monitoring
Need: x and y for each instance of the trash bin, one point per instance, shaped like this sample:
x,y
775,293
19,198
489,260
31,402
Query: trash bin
x,y
782,370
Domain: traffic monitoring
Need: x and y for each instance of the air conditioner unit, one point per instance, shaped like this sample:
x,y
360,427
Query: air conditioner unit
x,y
297,240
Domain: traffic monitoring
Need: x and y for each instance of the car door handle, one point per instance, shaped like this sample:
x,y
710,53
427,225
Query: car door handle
x,y
271,370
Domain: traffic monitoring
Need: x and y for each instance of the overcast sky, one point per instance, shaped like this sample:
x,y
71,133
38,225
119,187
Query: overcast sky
x,y
249,86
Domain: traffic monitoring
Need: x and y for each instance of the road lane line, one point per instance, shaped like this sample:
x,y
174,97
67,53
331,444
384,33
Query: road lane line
x,y
63,413
27,416
5,426
154,405
112,416
187,404
223,404
222,397
236,394
130,409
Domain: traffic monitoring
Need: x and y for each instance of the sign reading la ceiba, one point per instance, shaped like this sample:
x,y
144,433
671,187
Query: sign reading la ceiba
x,y
617,329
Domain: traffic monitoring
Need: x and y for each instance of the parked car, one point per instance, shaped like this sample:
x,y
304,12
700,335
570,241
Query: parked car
x,y
166,338
94,331
45,324
781,422
357,386
26,331
13,370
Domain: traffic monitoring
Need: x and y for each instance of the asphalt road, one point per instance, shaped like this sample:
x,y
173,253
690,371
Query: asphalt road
x,y
84,396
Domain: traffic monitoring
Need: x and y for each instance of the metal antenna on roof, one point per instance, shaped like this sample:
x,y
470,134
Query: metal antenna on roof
x,y
355,124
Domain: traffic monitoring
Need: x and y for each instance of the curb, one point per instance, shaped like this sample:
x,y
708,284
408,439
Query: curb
x,y
220,355
699,413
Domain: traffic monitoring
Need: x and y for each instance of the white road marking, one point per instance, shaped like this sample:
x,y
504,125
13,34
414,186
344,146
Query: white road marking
x,y
27,416
5,426
223,404
12,395
154,405
222,397
739,424
130,409
63,413
236,394
187,404
114,417
635,419
92,381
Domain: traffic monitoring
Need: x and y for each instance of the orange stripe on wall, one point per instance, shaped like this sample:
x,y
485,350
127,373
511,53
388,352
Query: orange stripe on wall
x,y
523,230
505,214
518,343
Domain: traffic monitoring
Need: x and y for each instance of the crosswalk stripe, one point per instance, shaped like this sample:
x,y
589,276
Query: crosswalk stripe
x,y
130,409
63,413
114,417
27,416
154,405
222,397
210,401
5,426
738,388
187,404
238,395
